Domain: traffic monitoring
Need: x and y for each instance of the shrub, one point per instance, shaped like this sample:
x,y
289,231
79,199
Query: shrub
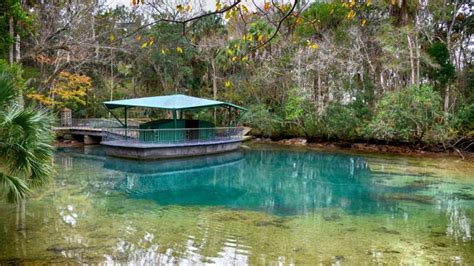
x,y
410,115
259,118
341,122
464,119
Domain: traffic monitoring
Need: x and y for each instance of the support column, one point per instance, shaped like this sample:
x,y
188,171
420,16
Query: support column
x,y
126,123
174,119
90,140
175,123
125,117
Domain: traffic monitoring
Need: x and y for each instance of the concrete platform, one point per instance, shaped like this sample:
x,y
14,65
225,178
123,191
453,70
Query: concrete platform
x,y
153,151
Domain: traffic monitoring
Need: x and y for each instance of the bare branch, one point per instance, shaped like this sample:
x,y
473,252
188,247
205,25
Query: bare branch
x,y
184,22
280,23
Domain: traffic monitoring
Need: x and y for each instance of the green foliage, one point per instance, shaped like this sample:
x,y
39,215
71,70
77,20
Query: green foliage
x,y
261,119
410,115
444,72
323,76
174,58
14,73
343,122
321,17
12,9
294,106
260,31
208,26
464,120
25,144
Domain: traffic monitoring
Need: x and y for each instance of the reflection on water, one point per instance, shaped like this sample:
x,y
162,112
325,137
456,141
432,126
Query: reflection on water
x,y
459,226
253,206
274,181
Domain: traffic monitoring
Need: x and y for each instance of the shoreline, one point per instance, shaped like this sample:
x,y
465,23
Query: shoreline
x,y
369,148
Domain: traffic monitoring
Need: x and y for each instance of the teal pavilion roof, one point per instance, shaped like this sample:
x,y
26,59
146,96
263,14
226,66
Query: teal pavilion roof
x,y
170,102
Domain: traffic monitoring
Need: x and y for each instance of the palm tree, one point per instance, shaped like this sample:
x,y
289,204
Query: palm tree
x,y
26,154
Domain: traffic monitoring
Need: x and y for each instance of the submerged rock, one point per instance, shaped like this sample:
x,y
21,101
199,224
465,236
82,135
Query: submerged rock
x,y
464,196
420,184
338,258
390,251
294,141
385,230
60,248
408,197
332,217
231,216
280,223
437,234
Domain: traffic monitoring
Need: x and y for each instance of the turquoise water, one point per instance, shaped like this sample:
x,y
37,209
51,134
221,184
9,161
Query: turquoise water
x,y
263,204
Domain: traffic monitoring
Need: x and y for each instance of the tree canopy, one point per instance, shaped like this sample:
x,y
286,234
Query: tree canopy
x,y
320,69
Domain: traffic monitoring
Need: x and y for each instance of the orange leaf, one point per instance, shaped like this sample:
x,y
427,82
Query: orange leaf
x,y
266,6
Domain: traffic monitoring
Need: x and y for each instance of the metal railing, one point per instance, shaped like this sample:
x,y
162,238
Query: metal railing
x,y
99,123
173,136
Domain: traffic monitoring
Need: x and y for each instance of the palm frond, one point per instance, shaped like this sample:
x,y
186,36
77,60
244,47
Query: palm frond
x,y
7,89
15,188
26,138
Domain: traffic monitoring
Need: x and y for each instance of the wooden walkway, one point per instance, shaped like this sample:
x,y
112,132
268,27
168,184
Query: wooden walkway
x,y
89,131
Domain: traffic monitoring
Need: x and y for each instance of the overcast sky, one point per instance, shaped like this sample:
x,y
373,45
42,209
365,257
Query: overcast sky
x,y
209,4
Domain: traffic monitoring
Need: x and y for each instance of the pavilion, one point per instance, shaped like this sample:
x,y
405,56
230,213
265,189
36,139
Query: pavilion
x,y
169,138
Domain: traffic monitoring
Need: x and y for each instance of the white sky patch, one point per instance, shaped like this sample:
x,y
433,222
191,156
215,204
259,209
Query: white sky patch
x,y
206,4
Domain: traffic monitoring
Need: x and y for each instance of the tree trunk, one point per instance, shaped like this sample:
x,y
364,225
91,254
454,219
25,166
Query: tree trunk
x,y
417,49
17,49
450,30
446,99
214,79
94,38
320,102
214,85
134,86
21,102
12,35
111,75
412,60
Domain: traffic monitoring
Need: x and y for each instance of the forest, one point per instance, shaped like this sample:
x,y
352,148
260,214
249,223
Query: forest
x,y
397,72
